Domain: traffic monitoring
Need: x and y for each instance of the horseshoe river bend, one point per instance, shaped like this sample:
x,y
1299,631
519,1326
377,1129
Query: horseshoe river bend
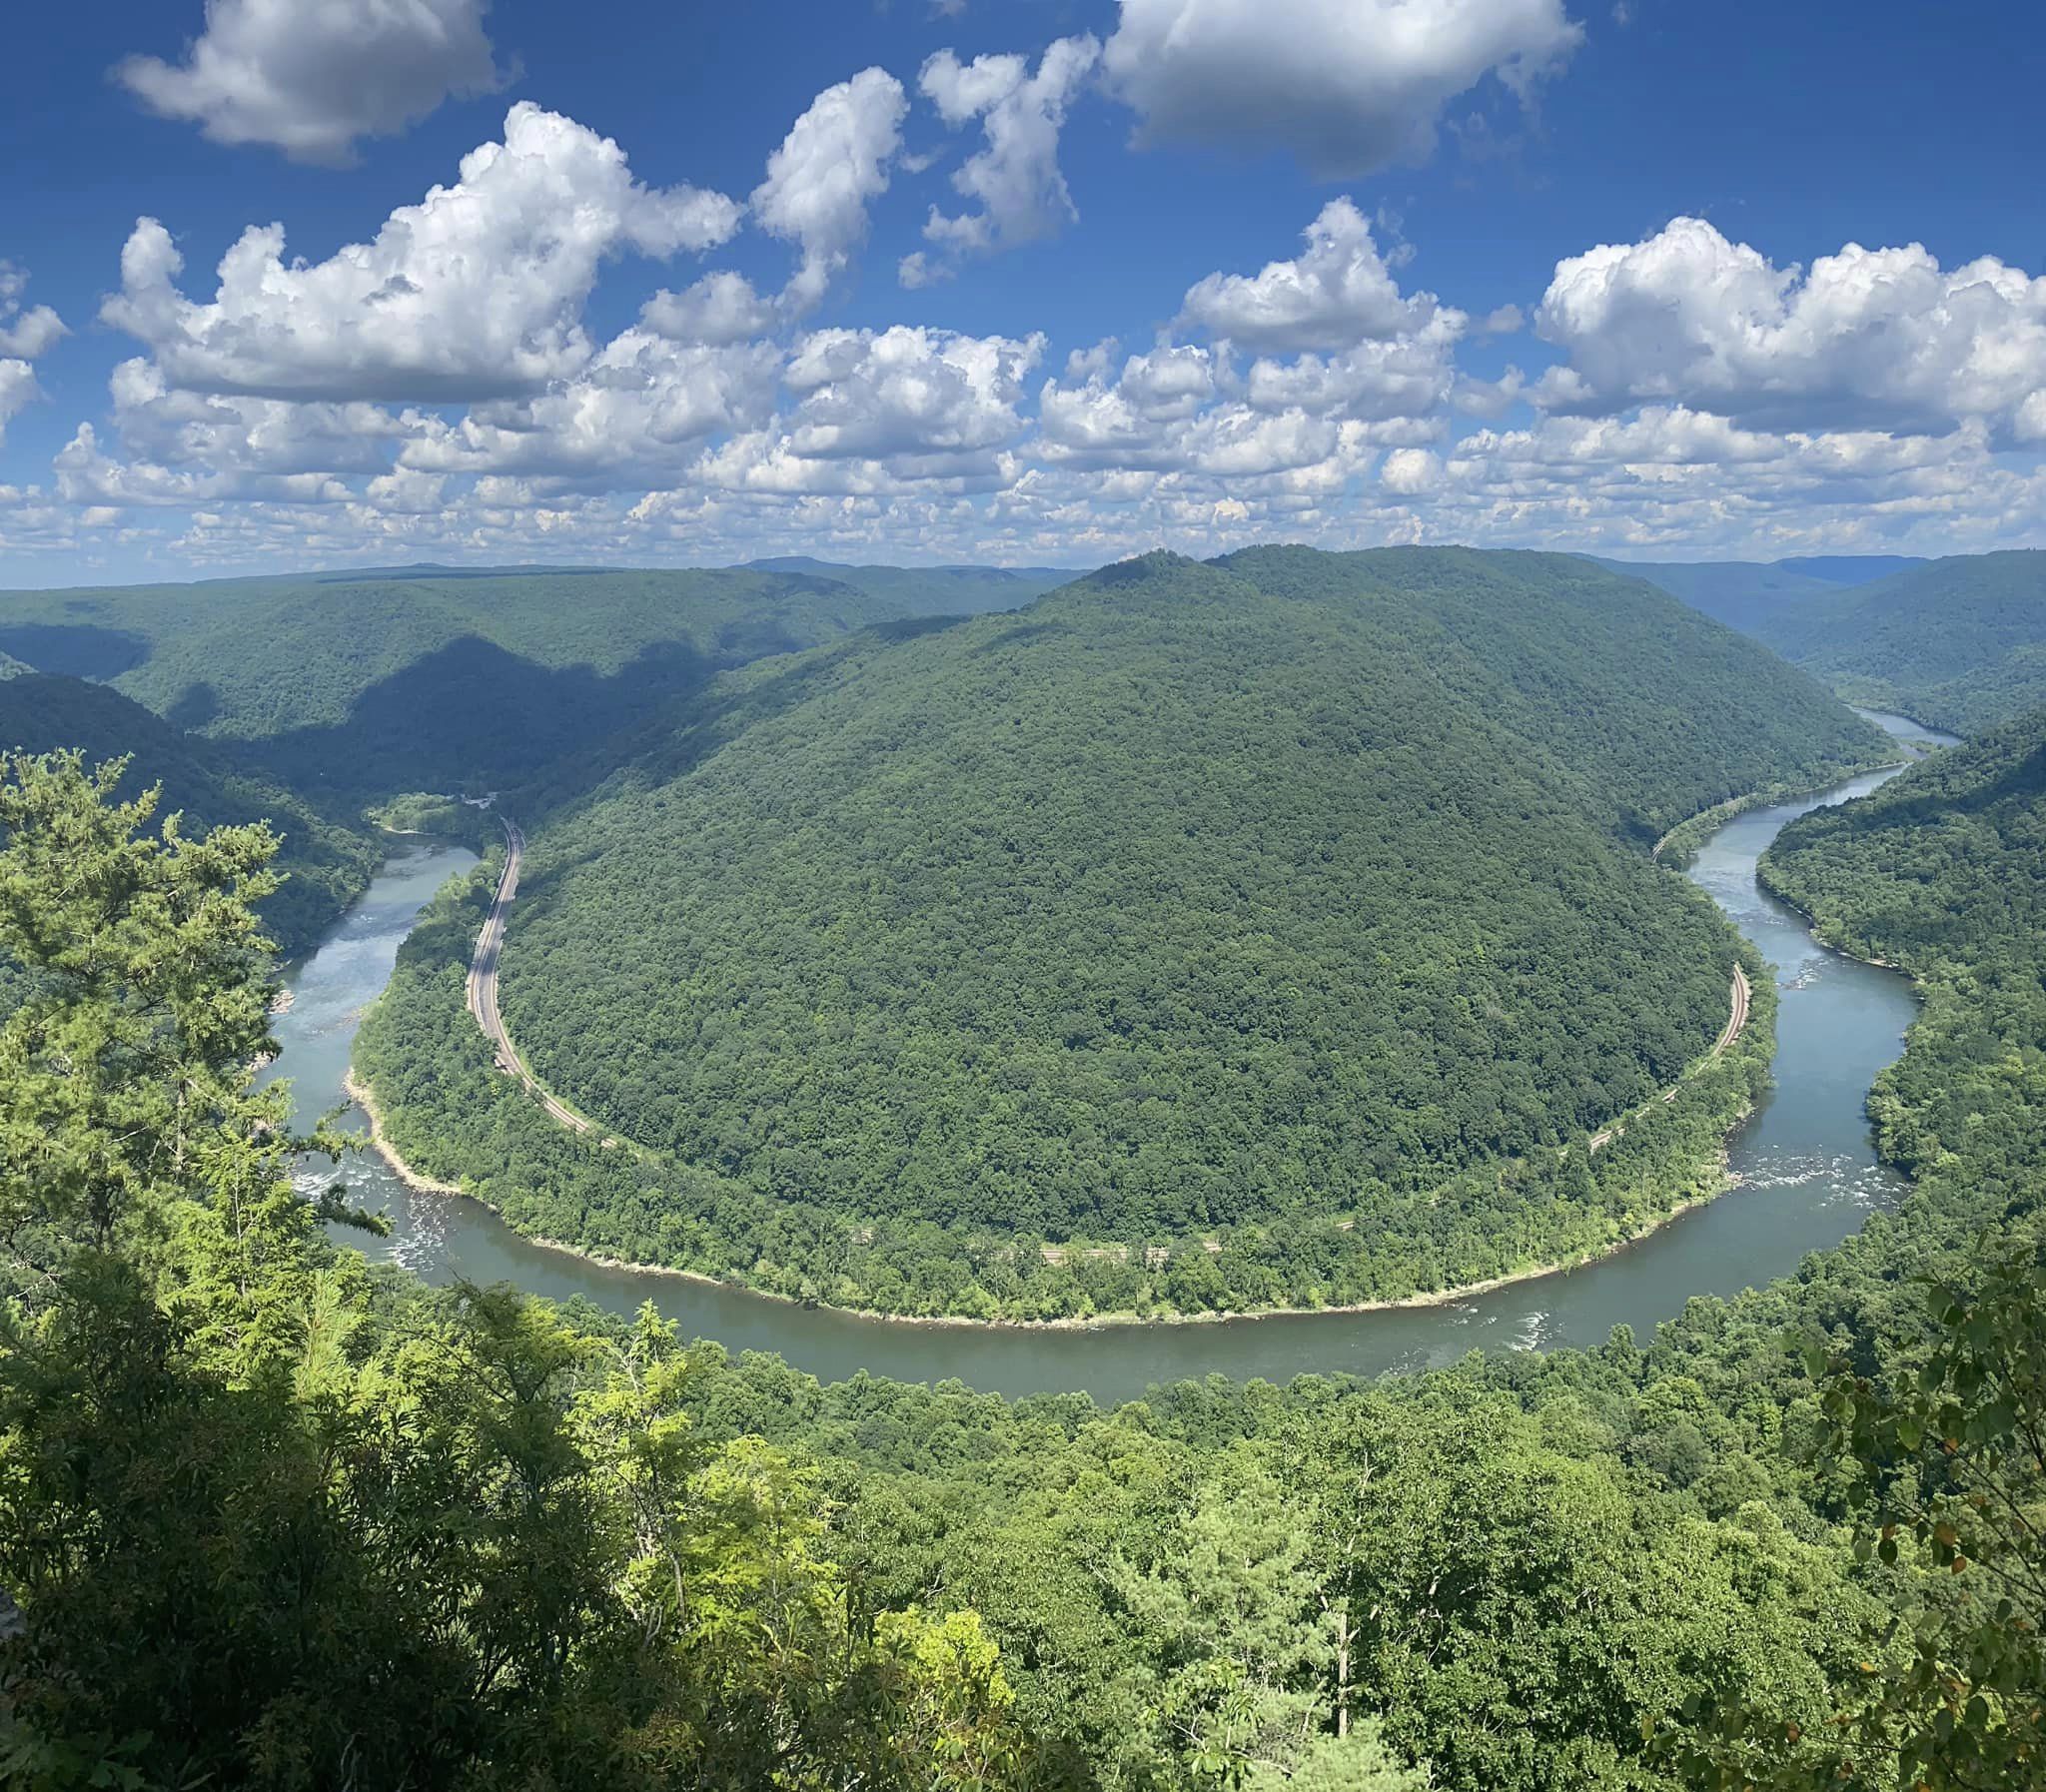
x,y
1803,1168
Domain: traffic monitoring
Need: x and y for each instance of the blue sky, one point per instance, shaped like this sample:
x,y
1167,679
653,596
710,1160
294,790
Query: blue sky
x,y
1042,281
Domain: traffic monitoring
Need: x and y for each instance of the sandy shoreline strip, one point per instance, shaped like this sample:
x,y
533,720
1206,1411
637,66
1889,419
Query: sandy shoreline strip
x,y
359,1093
1448,1296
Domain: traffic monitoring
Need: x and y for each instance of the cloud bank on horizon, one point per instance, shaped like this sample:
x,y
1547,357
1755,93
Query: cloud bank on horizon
x,y
460,384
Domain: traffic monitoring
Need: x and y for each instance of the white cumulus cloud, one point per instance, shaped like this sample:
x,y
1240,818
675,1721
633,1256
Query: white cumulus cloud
x,y
27,332
835,159
476,292
1865,339
18,390
1337,292
719,308
1410,471
1016,178
635,415
310,77
906,390
1346,85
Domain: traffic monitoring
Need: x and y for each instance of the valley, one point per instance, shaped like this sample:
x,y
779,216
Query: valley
x,y
1140,896
1802,1172
1752,1200
1952,642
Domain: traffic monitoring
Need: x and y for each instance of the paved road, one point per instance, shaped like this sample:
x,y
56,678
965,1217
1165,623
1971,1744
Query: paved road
x,y
483,983
1736,1022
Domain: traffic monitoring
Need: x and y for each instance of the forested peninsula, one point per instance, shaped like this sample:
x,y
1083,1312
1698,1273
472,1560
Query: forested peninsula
x,y
1772,1547
1277,932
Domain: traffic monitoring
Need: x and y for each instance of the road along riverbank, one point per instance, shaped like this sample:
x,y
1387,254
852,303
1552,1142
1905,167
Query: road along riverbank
x,y
1803,1167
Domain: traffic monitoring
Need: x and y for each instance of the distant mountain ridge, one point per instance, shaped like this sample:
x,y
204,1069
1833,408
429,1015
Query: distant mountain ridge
x,y
964,590
1959,643
1851,568
376,681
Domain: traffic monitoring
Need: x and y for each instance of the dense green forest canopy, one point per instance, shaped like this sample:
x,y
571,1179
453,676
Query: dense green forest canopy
x,y
1191,895
1959,643
274,1521
445,1106
326,863
1744,594
932,590
428,677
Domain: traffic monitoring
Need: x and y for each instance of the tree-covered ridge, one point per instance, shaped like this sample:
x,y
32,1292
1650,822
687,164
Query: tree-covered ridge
x,y
1659,716
429,679
274,1521
1958,643
932,590
1943,870
324,865
1192,896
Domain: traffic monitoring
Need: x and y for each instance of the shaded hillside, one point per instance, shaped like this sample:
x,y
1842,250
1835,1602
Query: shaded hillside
x,y
1744,594
1959,643
1197,895
326,865
932,590
433,676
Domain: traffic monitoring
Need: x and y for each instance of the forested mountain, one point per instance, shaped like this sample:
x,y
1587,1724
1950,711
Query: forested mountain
x,y
932,590
375,1535
1744,594
433,678
1958,643
326,863
1283,891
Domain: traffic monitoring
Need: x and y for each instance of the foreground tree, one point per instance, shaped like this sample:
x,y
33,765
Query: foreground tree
x,y
138,972
1944,1459
275,1522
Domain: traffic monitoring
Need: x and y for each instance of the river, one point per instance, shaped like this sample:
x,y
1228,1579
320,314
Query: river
x,y
1805,1171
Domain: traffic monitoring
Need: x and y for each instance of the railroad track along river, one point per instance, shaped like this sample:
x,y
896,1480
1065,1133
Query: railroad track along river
x,y
483,985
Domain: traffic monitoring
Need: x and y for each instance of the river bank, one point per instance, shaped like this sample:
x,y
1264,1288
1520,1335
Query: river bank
x,y
1707,1167
420,1183
379,1142
1694,830
1801,1176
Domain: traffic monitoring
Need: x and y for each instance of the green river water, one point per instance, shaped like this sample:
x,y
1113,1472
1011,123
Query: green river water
x,y
1806,1176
